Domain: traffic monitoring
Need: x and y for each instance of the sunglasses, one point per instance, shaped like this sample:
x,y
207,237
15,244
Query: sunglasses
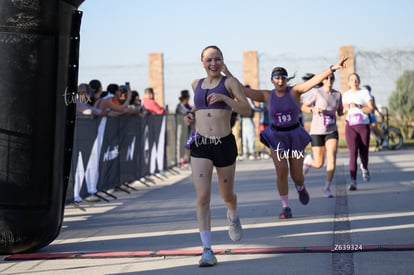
x,y
279,76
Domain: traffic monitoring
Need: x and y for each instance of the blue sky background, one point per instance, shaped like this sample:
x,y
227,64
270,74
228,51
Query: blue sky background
x,y
300,35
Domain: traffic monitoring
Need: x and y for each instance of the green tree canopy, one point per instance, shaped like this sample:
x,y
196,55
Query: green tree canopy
x,y
401,100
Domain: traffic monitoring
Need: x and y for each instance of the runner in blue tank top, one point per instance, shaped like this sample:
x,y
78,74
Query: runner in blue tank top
x,y
286,137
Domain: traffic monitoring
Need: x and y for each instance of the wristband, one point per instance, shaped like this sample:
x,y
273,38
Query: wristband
x,y
332,69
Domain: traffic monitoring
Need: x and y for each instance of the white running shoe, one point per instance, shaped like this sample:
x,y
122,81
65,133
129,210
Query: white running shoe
x,y
235,229
207,258
307,164
353,186
327,193
365,173
92,198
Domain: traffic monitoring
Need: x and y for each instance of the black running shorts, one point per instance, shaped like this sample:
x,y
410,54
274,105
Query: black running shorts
x,y
319,140
221,151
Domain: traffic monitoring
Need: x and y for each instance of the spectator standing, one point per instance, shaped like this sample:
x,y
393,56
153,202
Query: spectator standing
x,y
149,103
324,104
248,129
183,131
135,104
215,96
183,107
358,105
95,87
82,103
96,91
135,100
235,123
115,94
112,102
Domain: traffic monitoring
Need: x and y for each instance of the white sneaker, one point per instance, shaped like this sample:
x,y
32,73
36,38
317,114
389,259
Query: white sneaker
x,y
235,229
307,164
352,186
365,173
207,258
92,198
327,193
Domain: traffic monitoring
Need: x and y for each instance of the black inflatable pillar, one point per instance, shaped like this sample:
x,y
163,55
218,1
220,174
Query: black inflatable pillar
x,y
38,77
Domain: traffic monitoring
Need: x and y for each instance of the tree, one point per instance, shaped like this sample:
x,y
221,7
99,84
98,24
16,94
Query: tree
x,y
401,100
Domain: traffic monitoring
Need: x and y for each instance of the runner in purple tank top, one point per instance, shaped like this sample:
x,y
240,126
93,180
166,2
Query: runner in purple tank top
x,y
324,104
213,145
286,137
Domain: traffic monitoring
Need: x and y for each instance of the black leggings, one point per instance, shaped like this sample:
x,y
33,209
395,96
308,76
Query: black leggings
x,y
357,139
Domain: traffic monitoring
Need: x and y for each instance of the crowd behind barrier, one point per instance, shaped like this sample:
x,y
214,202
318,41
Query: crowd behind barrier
x,y
111,151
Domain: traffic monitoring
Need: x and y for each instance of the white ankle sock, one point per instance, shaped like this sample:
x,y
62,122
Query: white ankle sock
x,y
206,238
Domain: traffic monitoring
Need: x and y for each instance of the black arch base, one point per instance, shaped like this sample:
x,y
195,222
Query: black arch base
x,y
39,42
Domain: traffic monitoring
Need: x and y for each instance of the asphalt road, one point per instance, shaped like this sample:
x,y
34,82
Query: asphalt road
x,y
153,229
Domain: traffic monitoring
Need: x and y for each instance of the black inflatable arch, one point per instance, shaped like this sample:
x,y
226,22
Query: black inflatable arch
x,y
39,44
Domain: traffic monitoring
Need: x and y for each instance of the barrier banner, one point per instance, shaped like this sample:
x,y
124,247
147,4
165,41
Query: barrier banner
x,y
85,157
130,150
172,151
109,158
153,154
110,151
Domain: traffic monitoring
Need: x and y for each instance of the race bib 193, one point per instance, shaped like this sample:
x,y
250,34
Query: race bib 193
x,y
283,118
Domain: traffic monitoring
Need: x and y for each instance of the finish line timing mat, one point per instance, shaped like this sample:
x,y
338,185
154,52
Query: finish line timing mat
x,y
219,251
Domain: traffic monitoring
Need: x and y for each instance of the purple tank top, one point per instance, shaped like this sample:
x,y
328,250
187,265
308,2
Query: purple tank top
x,y
283,111
200,96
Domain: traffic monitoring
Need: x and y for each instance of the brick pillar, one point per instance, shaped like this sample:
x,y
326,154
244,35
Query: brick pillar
x,y
156,76
251,77
343,81
251,69
350,66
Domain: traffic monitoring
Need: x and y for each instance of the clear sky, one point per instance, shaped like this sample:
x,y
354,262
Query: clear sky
x,y
300,35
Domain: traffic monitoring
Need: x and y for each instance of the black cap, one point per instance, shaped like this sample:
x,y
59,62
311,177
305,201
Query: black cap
x,y
184,94
279,72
